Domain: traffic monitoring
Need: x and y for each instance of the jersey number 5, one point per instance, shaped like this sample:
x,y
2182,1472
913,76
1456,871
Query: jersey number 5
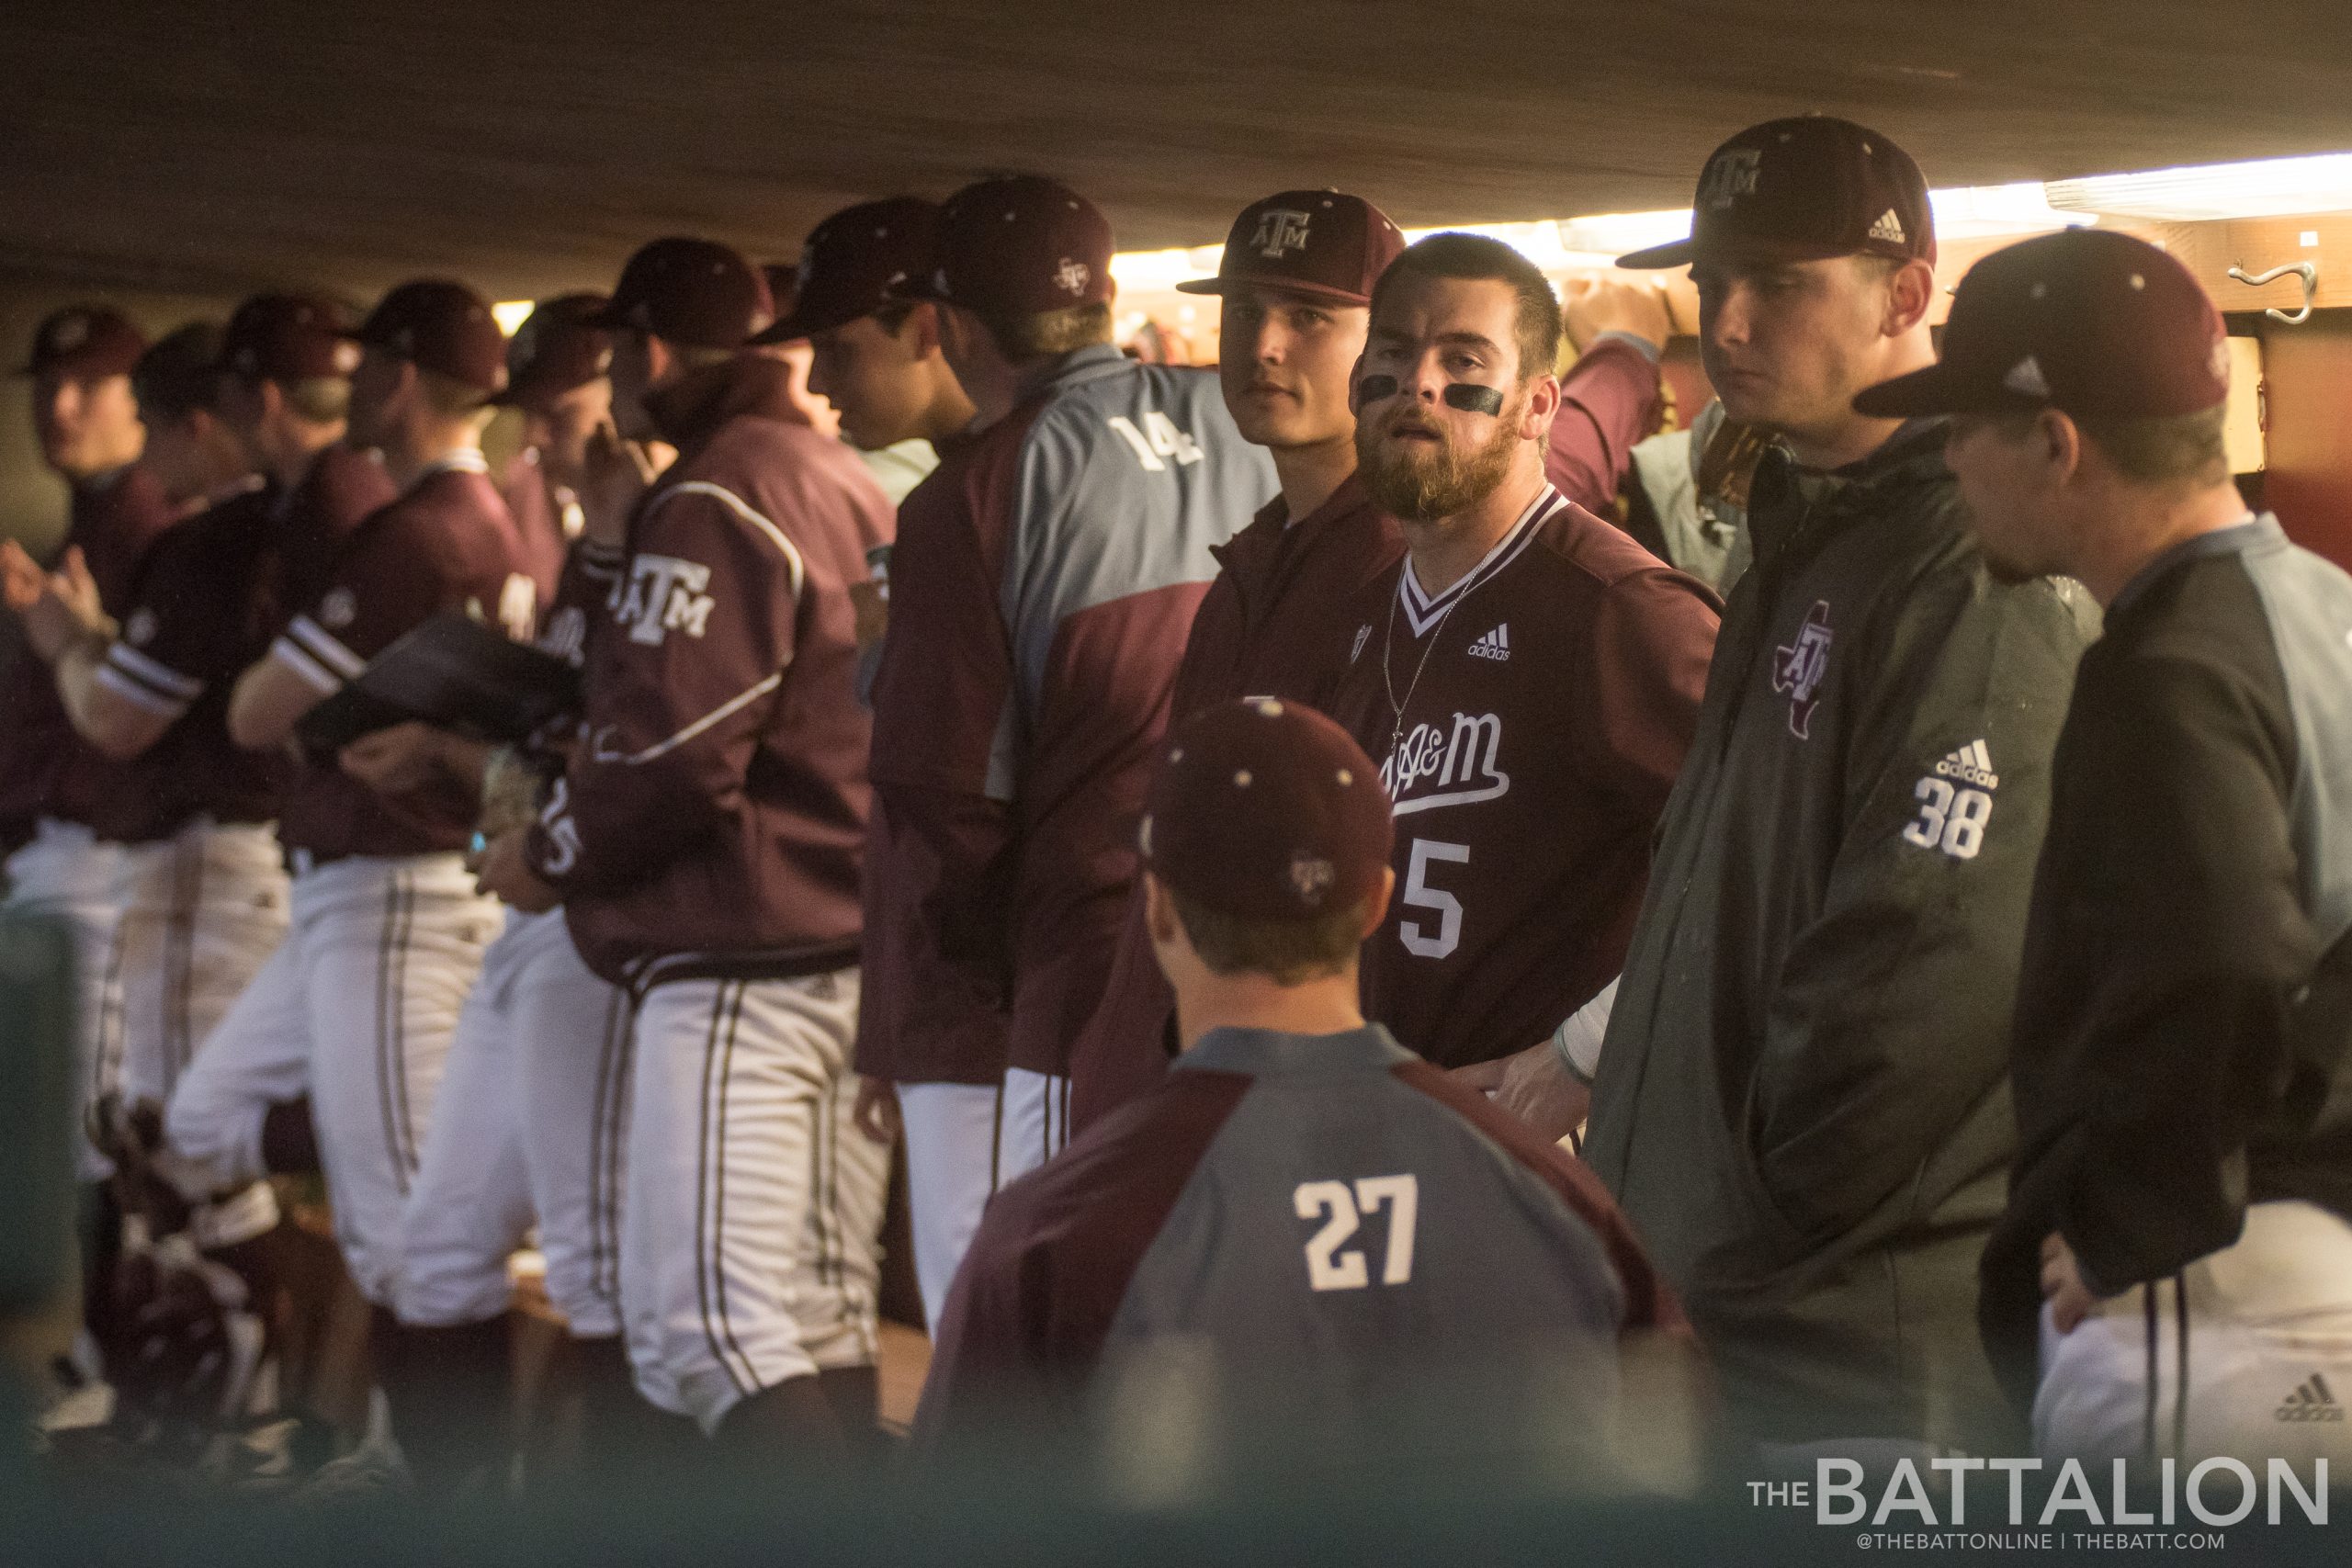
x,y
1341,1210
1419,939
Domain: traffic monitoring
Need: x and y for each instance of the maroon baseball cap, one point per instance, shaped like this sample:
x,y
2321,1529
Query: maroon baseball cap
x,y
556,350
1320,243
2085,320
1802,190
1023,245
93,341
289,337
690,291
1266,810
440,326
851,263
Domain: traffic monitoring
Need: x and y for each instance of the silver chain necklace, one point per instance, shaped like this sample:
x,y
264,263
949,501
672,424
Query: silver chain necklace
x,y
1387,646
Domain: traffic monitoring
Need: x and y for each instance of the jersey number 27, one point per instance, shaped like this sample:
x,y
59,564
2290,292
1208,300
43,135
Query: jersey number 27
x,y
1332,1266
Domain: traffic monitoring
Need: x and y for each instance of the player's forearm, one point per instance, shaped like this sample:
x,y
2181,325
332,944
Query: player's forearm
x,y
1608,402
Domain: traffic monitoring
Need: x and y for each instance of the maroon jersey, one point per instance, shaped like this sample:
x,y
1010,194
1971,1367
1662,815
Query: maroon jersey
x,y
1277,622
1042,587
446,543
1316,1220
1530,719
544,522
45,769
314,520
713,820
197,616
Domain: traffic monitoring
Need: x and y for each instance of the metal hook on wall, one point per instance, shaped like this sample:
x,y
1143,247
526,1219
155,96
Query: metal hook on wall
x,y
2307,271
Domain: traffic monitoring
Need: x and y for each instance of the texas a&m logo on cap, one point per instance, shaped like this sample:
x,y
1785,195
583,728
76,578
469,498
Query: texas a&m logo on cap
x,y
1731,177
1281,230
1071,277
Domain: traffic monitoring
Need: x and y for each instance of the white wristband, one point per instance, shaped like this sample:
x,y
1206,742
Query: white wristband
x,y
1578,1040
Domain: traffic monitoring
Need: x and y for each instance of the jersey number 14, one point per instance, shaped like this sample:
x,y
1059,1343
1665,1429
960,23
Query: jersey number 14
x,y
1331,1265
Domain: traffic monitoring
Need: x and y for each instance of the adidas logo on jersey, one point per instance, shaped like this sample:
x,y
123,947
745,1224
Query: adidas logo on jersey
x,y
1971,764
2313,1402
1494,644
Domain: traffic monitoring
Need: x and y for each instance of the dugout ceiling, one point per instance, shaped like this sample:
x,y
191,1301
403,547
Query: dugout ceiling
x,y
212,148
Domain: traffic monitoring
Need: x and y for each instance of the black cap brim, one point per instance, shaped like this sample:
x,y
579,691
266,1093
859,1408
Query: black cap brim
x,y
1677,252
1221,286
802,323
1939,389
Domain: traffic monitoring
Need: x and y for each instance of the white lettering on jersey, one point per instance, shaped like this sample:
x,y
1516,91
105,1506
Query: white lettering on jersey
x,y
1952,817
563,833
1463,762
1159,439
1343,1209
663,594
565,635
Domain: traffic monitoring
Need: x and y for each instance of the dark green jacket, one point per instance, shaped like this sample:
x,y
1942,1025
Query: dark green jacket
x,y
1802,1101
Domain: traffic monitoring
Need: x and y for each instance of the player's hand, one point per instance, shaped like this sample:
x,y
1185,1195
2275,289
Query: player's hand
x,y
1604,305
22,581
2062,1284
1534,1086
877,1109
504,871
397,760
614,476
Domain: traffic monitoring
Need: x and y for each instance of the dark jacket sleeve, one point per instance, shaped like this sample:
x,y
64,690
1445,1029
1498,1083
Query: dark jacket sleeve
x,y
1888,1026
679,687
945,728
1608,402
2178,1051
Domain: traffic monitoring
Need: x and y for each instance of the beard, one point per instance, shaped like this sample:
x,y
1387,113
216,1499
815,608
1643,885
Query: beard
x,y
1419,482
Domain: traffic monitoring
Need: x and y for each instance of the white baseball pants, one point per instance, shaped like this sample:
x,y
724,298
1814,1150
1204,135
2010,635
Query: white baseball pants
x,y
751,1220
1036,1121
65,874
2259,1365
532,1117
358,1006
953,1131
202,910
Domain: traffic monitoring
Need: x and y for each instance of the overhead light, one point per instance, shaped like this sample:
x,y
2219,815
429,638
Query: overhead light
x,y
1969,212
510,314
2269,188
1620,233
1142,272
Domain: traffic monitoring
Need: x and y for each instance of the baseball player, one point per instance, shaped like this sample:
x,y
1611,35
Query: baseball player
x,y
60,795
1296,278
2184,1024
1044,583
1802,1098
531,1122
555,380
359,1004
1246,1240
705,843
1528,674
204,898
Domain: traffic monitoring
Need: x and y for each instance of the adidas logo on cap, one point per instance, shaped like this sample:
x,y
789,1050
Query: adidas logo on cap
x,y
2312,1402
1971,764
1494,644
1890,229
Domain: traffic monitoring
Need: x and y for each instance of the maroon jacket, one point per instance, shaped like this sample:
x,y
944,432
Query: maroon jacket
x,y
1277,622
446,543
47,770
1317,1221
713,820
538,520
1547,697
1041,590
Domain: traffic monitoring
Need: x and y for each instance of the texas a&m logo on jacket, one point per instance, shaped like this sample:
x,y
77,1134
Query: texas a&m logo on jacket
x,y
1798,667
662,595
